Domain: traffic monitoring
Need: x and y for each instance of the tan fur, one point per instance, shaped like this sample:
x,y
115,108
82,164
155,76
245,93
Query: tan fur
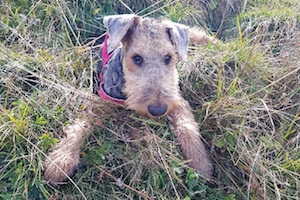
x,y
64,159
198,37
154,82
186,129
144,85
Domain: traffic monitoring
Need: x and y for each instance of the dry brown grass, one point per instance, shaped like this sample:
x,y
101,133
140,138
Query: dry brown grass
x,y
244,91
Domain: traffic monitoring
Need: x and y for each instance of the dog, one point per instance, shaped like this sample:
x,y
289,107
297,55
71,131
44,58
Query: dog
x,y
138,70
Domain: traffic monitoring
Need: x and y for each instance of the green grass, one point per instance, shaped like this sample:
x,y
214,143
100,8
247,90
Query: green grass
x,y
244,91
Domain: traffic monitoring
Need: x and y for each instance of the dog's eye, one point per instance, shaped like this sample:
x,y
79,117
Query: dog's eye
x,y
137,59
167,59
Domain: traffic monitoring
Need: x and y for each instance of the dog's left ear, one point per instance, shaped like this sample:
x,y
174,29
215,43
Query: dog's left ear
x,y
179,35
118,26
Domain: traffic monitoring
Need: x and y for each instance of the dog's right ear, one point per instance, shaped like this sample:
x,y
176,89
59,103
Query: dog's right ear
x,y
179,35
118,26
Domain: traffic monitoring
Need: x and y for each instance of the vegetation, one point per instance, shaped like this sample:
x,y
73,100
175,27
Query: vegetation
x,y
245,92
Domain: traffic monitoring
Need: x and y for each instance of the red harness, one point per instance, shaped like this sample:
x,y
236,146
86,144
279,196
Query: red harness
x,y
105,58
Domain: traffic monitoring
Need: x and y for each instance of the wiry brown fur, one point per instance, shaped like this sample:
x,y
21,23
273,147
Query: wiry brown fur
x,y
62,161
182,122
199,37
154,82
144,85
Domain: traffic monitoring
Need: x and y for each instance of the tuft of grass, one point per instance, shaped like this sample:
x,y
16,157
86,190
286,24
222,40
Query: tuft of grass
x,y
248,110
181,12
244,92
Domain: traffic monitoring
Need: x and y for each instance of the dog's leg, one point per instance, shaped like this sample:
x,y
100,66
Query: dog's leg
x,y
63,160
182,122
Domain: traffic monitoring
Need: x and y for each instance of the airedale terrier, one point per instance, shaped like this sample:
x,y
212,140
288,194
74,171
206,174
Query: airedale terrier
x,y
148,83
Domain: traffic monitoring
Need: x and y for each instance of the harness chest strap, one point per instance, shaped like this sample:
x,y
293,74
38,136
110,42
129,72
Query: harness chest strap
x,y
105,58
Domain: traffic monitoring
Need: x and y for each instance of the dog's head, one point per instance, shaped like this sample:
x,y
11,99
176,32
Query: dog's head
x,y
150,49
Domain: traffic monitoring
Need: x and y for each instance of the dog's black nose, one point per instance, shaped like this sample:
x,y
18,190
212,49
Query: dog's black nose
x,y
157,110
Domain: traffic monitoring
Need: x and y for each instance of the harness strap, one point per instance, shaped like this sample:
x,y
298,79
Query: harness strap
x,y
105,58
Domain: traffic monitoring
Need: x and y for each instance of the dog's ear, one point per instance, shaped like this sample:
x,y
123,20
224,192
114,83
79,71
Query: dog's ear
x,y
118,26
179,36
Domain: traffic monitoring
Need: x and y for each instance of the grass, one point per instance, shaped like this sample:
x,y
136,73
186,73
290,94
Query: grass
x,y
244,91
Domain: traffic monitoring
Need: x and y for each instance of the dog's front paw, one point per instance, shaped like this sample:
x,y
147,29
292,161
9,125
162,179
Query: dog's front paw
x,y
198,156
61,163
182,122
63,160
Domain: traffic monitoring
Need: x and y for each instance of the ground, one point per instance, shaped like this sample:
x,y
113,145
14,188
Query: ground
x,y
244,93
